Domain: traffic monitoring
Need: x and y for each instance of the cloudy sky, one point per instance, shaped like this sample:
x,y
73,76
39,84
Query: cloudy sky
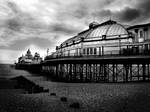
x,y
42,24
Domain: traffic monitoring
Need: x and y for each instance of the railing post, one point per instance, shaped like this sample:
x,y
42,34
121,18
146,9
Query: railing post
x,y
144,75
113,72
148,71
130,66
138,70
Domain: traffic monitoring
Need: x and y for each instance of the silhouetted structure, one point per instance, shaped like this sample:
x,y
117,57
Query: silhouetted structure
x,y
28,58
29,62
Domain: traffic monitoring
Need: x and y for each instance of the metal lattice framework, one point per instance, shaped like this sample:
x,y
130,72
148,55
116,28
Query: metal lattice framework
x,y
100,70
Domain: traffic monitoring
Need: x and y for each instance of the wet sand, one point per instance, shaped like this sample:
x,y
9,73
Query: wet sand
x,y
92,97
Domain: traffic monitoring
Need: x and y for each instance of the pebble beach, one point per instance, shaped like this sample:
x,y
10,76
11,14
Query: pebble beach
x,y
90,97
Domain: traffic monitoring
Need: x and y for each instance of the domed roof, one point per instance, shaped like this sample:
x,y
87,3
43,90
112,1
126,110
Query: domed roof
x,y
109,29
36,55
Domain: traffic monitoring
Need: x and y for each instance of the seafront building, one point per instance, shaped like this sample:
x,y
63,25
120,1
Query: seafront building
x,y
108,38
106,52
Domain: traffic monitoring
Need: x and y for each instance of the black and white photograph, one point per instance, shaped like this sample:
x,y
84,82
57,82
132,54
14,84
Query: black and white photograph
x,y
74,55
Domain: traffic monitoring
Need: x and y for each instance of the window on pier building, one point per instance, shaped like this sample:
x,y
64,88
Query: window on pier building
x,y
88,51
91,50
84,51
141,34
146,47
95,51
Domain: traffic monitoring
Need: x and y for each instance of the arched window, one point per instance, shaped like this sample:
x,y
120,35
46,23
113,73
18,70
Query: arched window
x,y
141,34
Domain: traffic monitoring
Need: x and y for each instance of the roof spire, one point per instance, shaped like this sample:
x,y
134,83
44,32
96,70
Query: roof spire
x,y
29,52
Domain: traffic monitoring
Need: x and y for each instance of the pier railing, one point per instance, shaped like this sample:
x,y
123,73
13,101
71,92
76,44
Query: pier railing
x,y
134,49
144,53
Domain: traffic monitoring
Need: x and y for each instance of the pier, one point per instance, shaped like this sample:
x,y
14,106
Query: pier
x,y
99,69
106,52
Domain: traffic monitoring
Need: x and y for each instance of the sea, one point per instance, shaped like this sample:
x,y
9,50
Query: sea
x,y
9,71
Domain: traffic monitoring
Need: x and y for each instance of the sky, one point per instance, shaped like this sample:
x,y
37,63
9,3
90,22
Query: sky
x,y
42,24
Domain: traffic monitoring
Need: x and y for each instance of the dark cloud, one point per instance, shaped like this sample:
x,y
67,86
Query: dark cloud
x,y
14,24
129,14
84,9
15,20
136,13
20,19
133,12
144,7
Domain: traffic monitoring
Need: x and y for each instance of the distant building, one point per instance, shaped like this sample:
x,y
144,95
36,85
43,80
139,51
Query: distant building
x,y
28,58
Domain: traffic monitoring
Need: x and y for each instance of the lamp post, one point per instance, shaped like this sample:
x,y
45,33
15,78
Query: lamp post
x,y
47,51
